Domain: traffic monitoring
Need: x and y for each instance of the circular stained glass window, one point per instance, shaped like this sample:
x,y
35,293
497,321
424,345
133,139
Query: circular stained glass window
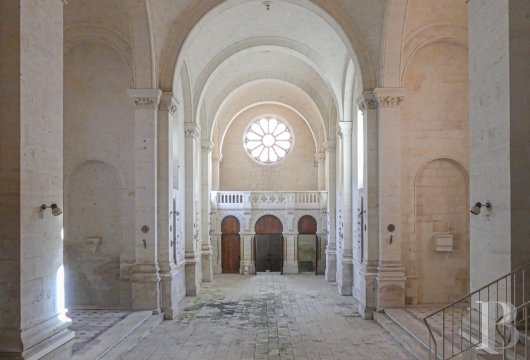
x,y
268,140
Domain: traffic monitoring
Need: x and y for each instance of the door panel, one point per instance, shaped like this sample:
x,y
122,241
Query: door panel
x,y
269,253
230,253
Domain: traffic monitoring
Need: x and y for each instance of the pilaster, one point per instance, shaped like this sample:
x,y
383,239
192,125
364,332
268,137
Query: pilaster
x,y
331,247
344,275
206,186
192,132
145,278
247,265
320,159
290,260
391,273
366,262
170,275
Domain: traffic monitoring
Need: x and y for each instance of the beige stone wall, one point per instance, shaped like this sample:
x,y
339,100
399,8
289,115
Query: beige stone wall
x,y
435,150
295,172
99,175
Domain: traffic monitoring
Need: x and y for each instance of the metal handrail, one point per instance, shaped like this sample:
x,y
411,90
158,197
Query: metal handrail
x,y
467,299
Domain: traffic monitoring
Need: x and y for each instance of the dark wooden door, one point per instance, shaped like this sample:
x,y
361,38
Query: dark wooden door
x,y
269,244
230,245
230,253
269,252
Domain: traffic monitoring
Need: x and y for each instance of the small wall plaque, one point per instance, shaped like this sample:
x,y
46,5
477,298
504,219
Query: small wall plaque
x,y
443,243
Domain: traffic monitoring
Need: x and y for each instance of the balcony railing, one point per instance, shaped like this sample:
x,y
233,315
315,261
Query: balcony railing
x,y
226,200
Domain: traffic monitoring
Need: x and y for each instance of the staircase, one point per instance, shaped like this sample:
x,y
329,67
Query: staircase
x,y
489,323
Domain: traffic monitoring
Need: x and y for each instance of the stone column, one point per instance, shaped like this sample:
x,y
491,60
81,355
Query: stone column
x,y
365,265
320,158
290,258
192,200
331,248
206,186
169,273
344,242
145,278
391,273
32,315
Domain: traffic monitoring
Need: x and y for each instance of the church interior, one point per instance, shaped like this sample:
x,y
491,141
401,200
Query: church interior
x,y
278,179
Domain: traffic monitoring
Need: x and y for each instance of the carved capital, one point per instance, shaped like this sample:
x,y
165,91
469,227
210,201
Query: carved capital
x,y
389,97
168,103
367,101
329,145
207,146
320,156
218,158
192,130
344,128
145,98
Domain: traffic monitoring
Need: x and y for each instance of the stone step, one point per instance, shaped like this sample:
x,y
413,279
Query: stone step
x,y
134,338
114,336
402,336
410,333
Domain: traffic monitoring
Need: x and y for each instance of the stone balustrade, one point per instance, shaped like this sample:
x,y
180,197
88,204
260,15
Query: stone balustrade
x,y
234,200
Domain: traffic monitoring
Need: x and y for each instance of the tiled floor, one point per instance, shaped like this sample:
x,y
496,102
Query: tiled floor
x,y
89,324
269,316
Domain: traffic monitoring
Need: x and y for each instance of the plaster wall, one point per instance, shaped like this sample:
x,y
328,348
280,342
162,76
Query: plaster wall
x,y
99,174
296,172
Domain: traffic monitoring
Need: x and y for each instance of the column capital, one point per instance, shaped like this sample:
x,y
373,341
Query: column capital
x,y
168,103
329,145
207,146
320,156
389,97
218,158
367,101
345,128
192,130
145,98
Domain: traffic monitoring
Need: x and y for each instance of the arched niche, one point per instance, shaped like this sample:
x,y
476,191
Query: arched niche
x,y
93,237
441,231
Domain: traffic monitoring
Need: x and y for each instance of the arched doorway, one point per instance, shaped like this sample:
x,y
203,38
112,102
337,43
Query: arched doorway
x,y
230,245
269,244
307,244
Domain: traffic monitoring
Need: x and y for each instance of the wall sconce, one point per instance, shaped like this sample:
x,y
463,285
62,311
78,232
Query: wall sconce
x,y
56,210
475,210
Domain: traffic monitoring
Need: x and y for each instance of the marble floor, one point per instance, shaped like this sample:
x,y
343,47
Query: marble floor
x,y
269,316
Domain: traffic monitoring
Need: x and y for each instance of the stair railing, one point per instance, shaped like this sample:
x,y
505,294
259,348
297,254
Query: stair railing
x,y
472,321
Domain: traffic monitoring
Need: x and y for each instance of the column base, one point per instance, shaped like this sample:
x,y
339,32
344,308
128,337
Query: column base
x,y
145,284
206,264
344,275
247,268
290,267
390,285
365,275
50,340
331,265
193,276
172,290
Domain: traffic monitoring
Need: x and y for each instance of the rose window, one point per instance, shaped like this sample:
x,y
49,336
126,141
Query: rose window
x,y
268,140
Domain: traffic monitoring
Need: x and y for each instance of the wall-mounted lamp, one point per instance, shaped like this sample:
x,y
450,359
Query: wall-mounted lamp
x,y
56,210
475,210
